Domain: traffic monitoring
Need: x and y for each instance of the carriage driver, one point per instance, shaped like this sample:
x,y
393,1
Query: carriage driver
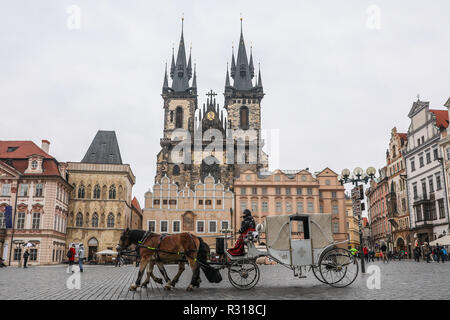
x,y
248,224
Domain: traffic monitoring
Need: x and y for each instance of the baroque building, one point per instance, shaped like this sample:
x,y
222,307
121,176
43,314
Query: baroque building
x,y
289,192
381,230
427,190
34,199
444,144
397,198
352,224
100,206
187,153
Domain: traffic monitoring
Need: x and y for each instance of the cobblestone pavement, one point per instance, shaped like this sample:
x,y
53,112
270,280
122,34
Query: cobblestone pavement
x,y
399,280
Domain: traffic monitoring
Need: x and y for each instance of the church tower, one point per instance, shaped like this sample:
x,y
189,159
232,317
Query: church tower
x,y
180,103
243,104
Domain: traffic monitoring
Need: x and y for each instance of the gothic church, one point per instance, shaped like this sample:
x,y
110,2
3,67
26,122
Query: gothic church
x,y
239,123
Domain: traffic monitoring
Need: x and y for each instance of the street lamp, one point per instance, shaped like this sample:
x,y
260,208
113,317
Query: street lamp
x,y
358,176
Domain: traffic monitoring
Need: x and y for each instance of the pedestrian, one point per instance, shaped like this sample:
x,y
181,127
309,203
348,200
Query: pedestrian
x,y
436,254
71,255
372,255
444,254
417,254
427,252
366,254
26,254
383,252
81,257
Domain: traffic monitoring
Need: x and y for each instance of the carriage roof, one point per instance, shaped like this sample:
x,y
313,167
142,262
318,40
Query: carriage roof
x,y
278,229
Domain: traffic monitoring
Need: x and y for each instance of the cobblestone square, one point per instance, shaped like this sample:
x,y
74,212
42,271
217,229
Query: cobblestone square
x,y
399,280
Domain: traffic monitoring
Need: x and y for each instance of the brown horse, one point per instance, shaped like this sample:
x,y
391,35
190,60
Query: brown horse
x,y
178,248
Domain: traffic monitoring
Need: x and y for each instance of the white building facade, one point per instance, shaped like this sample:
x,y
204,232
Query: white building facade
x,y
426,182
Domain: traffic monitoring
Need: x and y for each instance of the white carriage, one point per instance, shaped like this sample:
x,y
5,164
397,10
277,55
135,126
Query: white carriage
x,y
315,250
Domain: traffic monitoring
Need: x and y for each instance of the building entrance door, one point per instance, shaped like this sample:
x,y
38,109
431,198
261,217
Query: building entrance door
x,y
92,252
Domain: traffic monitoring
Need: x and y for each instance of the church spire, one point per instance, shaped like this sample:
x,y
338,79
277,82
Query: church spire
x,y
189,67
259,78
227,78
194,80
233,63
165,83
181,77
172,66
242,78
251,68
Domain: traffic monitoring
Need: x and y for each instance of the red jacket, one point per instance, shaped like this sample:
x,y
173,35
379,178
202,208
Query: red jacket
x,y
72,258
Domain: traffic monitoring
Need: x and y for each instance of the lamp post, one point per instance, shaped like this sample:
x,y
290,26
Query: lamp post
x,y
358,176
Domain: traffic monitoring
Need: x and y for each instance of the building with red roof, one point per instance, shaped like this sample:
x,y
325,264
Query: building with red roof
x,y
34,198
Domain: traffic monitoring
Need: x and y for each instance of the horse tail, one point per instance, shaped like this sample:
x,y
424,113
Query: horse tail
x,y
213,275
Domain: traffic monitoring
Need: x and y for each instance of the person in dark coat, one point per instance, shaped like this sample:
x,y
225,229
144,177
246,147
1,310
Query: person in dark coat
x,y
26,254
248,224
417,253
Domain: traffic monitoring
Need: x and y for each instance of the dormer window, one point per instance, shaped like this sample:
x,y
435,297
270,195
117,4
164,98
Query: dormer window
x,y
12,149
34,164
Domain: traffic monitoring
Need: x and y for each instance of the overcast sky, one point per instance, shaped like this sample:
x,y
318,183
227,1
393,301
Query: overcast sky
x,y
335,84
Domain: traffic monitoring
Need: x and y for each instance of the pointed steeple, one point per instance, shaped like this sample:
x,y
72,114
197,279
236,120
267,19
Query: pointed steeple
x,y
172,66
165,83
242,78
189,67
227,78
181,78
259,78
233,63
194,80
251,68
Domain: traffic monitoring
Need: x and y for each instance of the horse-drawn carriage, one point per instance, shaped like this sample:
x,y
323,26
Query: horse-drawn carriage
x,y
313,248
316,250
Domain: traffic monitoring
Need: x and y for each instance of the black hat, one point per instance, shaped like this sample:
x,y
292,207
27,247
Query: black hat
x,y
247,213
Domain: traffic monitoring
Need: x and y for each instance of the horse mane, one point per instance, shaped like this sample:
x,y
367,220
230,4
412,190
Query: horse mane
x,y
136,235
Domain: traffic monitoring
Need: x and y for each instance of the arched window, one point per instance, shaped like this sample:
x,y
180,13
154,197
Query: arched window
x,y
81,192
243,114
112,192
36,222
95,220
79,220
97,192
110,223
176,170
179,118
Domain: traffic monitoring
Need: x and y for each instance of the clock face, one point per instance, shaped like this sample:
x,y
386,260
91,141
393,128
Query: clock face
x,y
210,115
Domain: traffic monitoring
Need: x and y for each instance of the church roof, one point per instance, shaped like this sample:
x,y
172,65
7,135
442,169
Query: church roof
x,y
441,118
103,149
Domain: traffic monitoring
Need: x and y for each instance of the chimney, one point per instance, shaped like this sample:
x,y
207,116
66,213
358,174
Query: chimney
x,y
45,145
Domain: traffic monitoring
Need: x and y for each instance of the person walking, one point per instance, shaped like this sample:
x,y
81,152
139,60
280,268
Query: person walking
x,y
366,254
427,252
372,255
436,254
383,249
444,254
417,254
81,257
26,254
71,255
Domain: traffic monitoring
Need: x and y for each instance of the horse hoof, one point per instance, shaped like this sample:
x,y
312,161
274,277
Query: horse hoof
x,y
159,281
144,285
133,287
190,288
167,287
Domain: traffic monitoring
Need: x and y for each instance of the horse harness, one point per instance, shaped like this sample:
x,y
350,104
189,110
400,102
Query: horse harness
x,y
158,250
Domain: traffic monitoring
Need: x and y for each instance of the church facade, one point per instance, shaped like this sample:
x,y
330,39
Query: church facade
x,y
209,140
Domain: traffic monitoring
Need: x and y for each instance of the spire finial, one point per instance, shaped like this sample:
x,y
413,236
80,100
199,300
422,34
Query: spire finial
x,y
241,22
418,97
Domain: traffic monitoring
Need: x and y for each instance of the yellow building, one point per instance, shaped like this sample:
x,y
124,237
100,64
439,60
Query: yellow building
x,y
100,207
352,224
283,192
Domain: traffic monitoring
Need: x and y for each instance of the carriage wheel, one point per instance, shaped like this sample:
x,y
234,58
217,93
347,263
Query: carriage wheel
x,y
338,267
315,270
243,274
